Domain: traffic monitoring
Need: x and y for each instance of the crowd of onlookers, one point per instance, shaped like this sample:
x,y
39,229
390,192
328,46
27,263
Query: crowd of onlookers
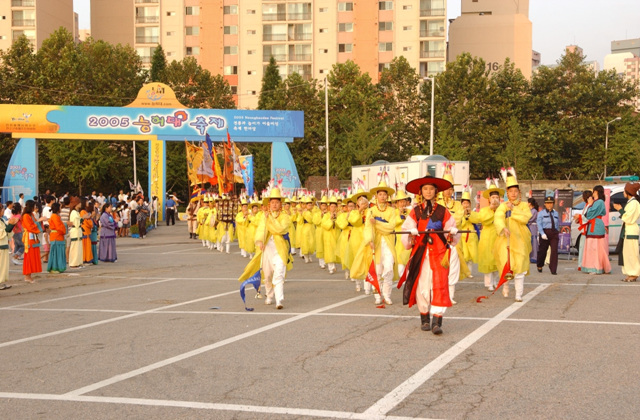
x,y
67,231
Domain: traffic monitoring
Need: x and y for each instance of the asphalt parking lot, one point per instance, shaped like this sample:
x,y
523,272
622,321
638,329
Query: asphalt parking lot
x,y
162,333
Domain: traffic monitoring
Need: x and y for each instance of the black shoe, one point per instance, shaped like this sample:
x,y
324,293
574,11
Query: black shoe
x,y
539,269
436,325
424,319
554,273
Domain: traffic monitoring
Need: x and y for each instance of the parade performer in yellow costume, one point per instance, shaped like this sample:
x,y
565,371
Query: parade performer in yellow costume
x,y
201,217
345,233
468,244
273,254
288,207
225,229
308,246
379,243
330,234
456,264
356,219
241,224
485,217
211,223
403,209
513,245
318,214
252,221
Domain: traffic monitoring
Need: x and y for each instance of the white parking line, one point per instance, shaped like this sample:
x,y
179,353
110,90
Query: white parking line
x,y
204,349
402,391
87,294
258,409
107,321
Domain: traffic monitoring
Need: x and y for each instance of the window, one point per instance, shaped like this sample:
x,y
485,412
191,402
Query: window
x,y
251,52
345,48
234,90
170,53
3,37
193,50
251,11
171,33
228,70
230,30
383,66
323,30
192,10
385,5
231,50
193,30
251,72
386,26
407,28
406,48
251,32
323,9
345,27
251,92
171,13
407,7
230,10
385,46
345,6
323,51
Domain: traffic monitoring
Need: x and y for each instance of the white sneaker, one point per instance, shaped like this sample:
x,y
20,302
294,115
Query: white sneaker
x,y
346,275
491,288
367,292
453,302
268,301
16,262
279,305
378,300
518,299
323,267
332,270
505,292
388,302
358,287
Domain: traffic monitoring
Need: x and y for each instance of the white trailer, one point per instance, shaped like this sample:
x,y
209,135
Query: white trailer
x,y
417,167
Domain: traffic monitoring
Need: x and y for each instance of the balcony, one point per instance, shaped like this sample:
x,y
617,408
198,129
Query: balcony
x,y
300,37
147,1
147,39
432,54
299,57
147,19
23,3
300,16
432,12
146,59
425,33
274,37
274,16
279,57
24,22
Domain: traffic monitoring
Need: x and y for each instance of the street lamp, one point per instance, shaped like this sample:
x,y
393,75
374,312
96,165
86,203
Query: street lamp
x,y
433,92
606,144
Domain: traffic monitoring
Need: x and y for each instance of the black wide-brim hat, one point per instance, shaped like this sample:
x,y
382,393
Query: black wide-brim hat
x,y
415,186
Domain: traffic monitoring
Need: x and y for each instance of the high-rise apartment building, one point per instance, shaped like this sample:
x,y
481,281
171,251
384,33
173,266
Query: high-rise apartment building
x,y
36,19
493,30
237,38
625,60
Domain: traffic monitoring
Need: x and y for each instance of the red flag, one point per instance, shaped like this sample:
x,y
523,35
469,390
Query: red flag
x,y
372,276
503,277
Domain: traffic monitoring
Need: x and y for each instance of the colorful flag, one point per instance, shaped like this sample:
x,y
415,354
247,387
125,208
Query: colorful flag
x,y
228,165
247,172
372,277
205,170
194,160
255,282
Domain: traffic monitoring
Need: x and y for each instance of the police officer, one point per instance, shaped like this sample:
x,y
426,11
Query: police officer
x,y
548,224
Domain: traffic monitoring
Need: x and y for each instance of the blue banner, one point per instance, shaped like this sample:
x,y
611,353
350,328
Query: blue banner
x,y
247,173
283,167
22,172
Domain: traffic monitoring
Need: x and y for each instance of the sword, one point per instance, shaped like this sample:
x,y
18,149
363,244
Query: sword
x,y
426,232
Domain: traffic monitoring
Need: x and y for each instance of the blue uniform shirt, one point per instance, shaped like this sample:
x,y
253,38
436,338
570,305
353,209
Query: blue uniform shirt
x,y
544,220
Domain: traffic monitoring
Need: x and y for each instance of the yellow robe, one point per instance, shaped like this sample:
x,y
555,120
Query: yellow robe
x,y
252,221
402,253
357,235
468,241
630,218
329,238
486,259
292,229
241,228
201,216
376,233
317,222
519,240
275,227
210,226
308,246
343,241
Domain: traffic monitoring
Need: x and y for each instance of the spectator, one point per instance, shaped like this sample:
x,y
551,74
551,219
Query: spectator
x,y
142,215
107,252
64,216
21,199
86,210
5,231
595,258
57,255
46,214
7,210
170,207
75,234
18,244
533,227
32,227
122,196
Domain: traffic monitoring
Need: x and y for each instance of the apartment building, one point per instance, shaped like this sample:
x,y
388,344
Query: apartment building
x,y
237,38
493,30
625,60
36,19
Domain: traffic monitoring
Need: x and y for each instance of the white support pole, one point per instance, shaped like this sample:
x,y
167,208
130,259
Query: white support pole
x,y
326,125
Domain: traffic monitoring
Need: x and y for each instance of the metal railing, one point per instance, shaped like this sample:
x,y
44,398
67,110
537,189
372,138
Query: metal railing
x,y
147,1
274,37
24,22
147,39
300,16
274,16
432,54
279,57
147,19
431,12
427,33
145,59
300,37
23,3
299,57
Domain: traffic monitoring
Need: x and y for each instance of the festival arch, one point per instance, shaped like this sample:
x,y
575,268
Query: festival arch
x,y
155,116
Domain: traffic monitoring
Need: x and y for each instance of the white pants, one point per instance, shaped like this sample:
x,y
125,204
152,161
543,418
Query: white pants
x,y
425,290
518,281
491,279
384,270
322,263
454,267
274,270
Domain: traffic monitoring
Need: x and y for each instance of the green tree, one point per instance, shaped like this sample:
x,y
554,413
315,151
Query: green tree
x,y
195,87
270,92
624,147
158,65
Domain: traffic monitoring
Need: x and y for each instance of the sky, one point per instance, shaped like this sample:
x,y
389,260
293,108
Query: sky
x,y
590,24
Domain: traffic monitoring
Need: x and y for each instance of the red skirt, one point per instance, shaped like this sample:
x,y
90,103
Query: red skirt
x,y
32,262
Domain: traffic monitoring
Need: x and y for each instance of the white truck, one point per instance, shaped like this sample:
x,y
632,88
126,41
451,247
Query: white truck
x,y
416,167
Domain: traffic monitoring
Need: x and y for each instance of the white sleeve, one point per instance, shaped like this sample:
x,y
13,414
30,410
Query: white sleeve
x,y
408,224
